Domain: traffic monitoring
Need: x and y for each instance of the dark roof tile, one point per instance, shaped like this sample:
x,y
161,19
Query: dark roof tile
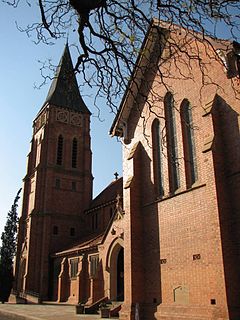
x,y
109,193
64,91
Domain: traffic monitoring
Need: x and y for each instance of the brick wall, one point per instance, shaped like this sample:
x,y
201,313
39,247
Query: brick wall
x,y
189,251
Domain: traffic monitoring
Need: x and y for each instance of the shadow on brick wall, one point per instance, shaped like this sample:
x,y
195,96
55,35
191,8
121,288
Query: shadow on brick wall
x,y
226,157
150,237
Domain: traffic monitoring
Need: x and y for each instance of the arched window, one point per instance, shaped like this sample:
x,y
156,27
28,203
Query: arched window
x,y
157,157
188,143
34,153
171,136
60,150
74,153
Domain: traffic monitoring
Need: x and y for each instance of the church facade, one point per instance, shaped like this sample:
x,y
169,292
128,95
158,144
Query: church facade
x,y
164,240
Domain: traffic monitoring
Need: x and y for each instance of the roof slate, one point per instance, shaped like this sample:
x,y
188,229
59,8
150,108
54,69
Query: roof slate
x,y
85,244
64,91
109,193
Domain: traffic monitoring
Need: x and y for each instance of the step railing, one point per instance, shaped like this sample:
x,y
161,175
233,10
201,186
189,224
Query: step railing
x,y
93,308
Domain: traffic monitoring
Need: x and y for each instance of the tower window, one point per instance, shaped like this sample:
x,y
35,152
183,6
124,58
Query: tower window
x,y
60,150
190,160
55,230
74,153
157,156
34,153
172,151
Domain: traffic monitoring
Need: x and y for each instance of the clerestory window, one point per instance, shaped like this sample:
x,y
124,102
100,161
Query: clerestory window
x,y
190,160
157,157
171,136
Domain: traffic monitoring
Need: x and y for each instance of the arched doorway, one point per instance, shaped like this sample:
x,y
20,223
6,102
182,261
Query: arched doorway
x,y
120,275
116,271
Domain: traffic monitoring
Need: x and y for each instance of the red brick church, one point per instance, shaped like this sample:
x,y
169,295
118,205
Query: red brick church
x,y
164,240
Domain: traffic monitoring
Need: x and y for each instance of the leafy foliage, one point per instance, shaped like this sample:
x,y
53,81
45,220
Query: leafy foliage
x,y
8,250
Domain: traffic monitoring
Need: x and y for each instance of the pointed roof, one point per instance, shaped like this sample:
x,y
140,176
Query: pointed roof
x,y
64,91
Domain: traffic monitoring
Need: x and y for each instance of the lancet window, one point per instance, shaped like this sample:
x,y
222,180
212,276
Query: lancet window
x,y
60,150
188,143
171,137
74,153
157,157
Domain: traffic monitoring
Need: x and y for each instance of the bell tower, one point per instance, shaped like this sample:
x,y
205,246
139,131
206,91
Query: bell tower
x,y
58,183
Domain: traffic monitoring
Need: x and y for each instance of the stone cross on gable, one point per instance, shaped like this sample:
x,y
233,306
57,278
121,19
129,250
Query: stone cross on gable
x,y
116,175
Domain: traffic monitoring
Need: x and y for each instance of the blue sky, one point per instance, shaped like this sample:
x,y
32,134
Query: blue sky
x,y
20,102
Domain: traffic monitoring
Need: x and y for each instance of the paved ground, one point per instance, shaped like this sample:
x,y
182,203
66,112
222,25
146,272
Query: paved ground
x,y
41,312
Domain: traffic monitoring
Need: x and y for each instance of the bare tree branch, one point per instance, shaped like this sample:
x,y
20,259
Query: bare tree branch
x,y
111,32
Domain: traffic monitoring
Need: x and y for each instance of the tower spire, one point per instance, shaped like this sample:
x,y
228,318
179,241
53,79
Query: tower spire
x,y
64,91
